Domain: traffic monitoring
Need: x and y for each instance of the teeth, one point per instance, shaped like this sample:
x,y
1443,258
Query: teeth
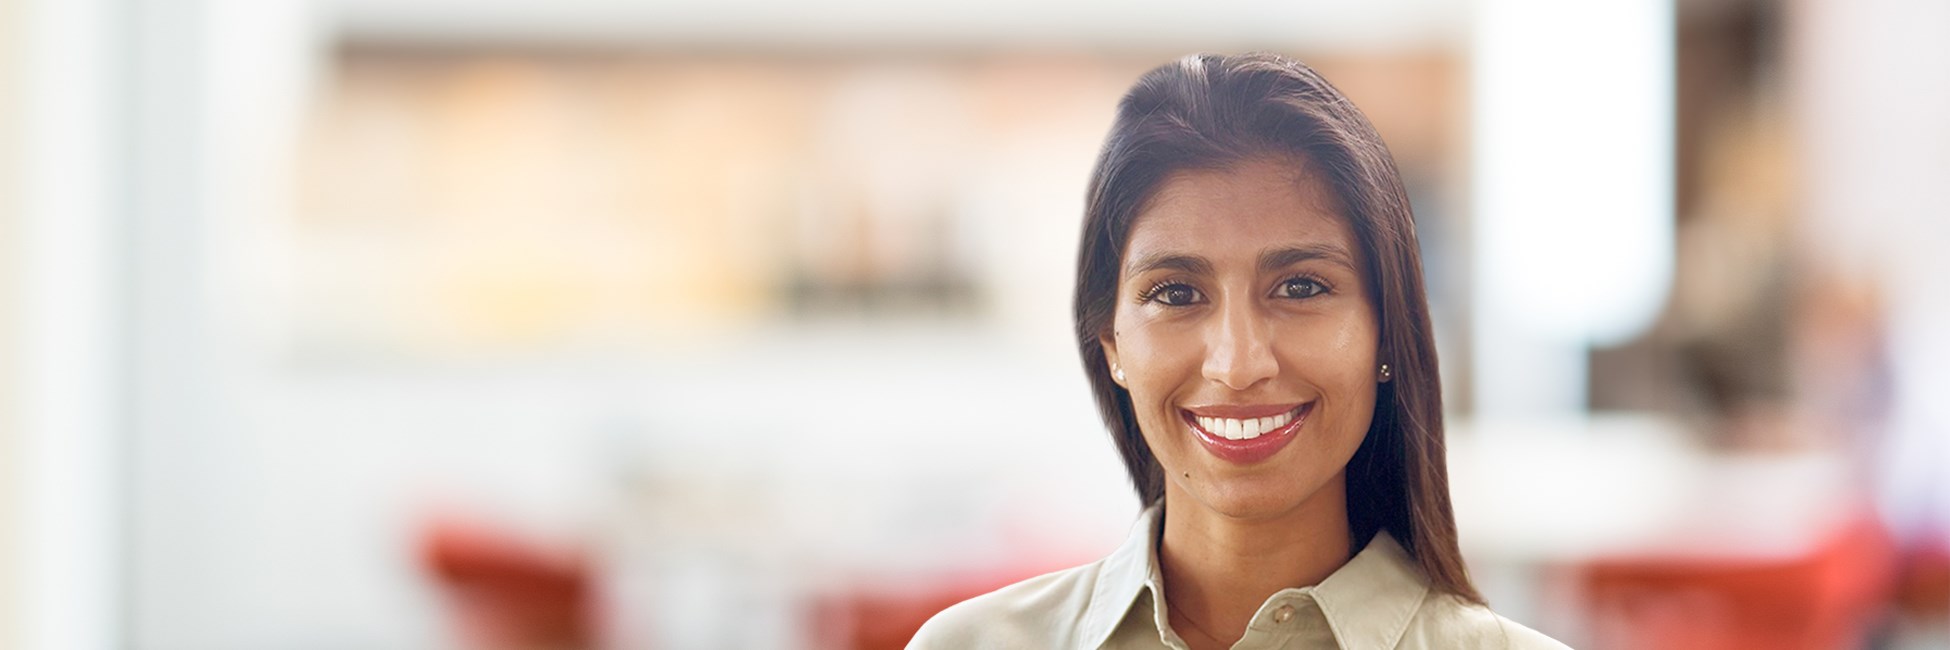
x,y
1247,429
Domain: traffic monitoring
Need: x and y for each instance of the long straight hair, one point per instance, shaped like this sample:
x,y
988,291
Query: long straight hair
x,y
1212,112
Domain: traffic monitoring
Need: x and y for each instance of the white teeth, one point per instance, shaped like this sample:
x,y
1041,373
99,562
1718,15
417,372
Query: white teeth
x,y
1247,429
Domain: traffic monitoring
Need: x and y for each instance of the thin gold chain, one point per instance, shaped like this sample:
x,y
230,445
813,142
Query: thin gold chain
x,y
1187,618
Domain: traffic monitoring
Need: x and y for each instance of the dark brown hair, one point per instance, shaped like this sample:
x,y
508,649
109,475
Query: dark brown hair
x,y
1211,112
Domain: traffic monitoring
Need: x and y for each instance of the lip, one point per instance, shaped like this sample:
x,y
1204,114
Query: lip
x,y
1246,452
1242,411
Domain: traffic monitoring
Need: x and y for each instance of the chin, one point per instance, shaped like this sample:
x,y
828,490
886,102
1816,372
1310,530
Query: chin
x,y
1264,497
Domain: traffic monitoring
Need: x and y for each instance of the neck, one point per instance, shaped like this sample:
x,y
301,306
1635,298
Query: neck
x,y
1218,569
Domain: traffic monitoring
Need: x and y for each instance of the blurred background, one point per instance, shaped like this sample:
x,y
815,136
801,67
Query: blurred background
x,y
743,324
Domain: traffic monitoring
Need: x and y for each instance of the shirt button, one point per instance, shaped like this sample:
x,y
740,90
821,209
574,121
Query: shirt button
x,y
1283,614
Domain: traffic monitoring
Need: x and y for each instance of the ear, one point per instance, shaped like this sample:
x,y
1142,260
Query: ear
x,y
1109,341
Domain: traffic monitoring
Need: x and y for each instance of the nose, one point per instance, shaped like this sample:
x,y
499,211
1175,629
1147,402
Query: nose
x,y
1239,349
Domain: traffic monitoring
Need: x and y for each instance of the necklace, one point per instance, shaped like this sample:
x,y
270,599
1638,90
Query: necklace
x,y
1187,618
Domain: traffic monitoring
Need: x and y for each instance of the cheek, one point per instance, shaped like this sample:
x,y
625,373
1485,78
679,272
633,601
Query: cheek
x,y
1158,360
1337,356
1152,353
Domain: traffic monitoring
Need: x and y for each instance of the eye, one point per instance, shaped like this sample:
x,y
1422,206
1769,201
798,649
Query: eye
x,y
1300,287
1172,294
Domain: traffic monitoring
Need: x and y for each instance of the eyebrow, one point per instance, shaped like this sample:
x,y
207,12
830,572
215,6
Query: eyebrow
x,y
1148,262
1280,258
1269,260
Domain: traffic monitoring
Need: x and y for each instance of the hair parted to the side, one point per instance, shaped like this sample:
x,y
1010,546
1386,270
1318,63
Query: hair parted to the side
x,y
1210,112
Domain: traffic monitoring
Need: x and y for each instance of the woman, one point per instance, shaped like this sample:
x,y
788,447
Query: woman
x,y
1250,311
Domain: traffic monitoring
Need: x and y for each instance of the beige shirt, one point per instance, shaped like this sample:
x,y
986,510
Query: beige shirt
x,y
1377,600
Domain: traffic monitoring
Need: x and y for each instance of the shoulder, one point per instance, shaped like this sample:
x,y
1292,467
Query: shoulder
x,y
1044,611
1448,622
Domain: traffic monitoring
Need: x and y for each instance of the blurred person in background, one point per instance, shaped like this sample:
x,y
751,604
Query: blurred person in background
x,y
1251,315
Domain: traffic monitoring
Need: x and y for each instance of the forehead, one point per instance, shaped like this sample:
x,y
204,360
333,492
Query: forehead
x,y
1242,208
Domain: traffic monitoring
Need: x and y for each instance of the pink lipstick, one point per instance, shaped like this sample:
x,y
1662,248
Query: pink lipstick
x,y
1246,434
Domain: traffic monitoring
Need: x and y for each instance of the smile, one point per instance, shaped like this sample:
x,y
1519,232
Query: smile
x,y
1246,434
1246,429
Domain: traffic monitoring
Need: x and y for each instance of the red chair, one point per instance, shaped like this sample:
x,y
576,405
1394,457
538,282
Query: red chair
x,y
1825,600
508,592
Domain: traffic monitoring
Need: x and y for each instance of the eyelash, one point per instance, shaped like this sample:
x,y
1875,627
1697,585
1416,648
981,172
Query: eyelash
x,y
1316,281
1151,294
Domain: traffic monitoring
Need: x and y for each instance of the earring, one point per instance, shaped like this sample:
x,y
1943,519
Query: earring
x,y
1117,371
1386,373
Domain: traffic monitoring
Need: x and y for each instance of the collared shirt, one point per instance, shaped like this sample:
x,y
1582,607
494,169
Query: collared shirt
x,y
1379,599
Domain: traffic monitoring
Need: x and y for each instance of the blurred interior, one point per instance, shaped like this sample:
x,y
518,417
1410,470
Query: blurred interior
x,y
598,324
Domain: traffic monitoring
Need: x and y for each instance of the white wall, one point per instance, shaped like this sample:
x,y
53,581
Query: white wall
x,y
13,517
61,354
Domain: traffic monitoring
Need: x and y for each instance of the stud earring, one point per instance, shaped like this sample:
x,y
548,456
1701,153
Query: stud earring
x,y
1386,373
1118,372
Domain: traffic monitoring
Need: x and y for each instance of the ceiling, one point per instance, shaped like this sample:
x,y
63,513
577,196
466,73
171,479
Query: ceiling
x,y
880,24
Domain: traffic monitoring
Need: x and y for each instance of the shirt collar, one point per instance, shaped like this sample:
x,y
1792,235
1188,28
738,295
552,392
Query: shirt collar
x,y
1368,601
1125,572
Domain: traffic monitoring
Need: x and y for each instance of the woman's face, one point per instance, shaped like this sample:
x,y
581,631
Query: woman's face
x,y
1246,337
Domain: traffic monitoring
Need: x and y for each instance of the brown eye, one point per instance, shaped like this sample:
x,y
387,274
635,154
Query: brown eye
x,y
1301,288
1172,294
1179,295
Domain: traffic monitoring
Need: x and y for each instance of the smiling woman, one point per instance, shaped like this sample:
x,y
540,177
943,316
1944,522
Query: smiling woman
x,y
1252,329
1250,312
